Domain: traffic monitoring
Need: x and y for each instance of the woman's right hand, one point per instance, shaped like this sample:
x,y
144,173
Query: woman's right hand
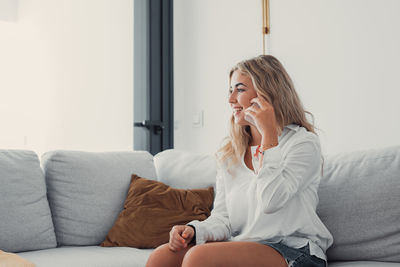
x,y
179,237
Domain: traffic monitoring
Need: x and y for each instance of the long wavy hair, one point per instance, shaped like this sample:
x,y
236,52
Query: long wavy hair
x,y
270,80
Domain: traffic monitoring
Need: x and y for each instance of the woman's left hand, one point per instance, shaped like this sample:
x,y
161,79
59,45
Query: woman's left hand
x,y
264,119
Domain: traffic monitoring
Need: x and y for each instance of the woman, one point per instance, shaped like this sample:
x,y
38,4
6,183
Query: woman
x,y
266,188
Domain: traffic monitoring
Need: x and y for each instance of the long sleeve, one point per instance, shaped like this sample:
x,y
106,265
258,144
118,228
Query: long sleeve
x,y
217,226
280,178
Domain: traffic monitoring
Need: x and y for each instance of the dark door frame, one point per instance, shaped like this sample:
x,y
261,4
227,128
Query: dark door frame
x,y
153,81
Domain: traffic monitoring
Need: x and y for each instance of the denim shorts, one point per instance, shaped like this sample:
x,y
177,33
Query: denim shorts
x,y
296,257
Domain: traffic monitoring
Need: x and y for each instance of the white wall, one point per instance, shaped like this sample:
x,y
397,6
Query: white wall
x,y
67,75
344,58
209,38
342,55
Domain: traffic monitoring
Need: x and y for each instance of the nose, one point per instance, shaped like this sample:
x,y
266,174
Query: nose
x,y
232,97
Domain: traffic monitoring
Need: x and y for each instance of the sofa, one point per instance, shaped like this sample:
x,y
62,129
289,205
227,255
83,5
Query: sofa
x,y
55,211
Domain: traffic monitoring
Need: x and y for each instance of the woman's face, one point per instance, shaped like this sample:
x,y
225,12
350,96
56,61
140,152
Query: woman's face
x,y
241,91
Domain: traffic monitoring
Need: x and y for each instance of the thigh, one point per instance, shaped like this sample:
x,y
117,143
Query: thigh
x,y
237,253
162,256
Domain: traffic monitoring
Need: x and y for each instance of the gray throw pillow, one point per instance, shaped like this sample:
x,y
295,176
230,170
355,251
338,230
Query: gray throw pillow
x,y
360,205
87,190
25,218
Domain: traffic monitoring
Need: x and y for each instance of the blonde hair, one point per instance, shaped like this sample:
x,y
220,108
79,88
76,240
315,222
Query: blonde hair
x,y
270,80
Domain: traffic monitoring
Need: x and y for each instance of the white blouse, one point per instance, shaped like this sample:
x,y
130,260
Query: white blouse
x,y
276,203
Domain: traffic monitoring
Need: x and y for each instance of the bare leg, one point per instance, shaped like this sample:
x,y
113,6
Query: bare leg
x,y
162,256
232,254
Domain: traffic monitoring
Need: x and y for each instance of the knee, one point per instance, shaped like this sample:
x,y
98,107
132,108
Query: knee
x,y
195,257
158,256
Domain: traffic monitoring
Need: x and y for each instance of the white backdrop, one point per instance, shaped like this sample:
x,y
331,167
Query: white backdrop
x,y
342,55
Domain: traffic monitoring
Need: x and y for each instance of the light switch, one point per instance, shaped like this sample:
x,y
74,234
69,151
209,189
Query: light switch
x,y
197,119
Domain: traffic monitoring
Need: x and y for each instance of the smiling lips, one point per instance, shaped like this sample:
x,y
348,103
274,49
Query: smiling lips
x,y
236,110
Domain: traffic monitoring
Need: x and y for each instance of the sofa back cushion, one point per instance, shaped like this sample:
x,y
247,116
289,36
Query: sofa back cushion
x,y
185,170
360,204
25,218
87,190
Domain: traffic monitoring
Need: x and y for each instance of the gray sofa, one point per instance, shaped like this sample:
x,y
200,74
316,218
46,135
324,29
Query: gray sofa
x,y
57,210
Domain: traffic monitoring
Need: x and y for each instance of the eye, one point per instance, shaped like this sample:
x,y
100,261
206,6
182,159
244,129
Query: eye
x,y
237,89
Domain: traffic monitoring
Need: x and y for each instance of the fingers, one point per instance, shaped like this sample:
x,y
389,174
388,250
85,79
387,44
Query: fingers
x,y
175,245
176,232
261,96
176,241
260,100
188,232
251,108
172,247
257,101
250,112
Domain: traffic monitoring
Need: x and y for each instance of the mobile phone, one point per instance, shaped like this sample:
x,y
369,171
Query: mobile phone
x,y
248,118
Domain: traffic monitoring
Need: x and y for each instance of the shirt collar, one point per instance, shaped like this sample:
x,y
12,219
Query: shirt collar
x,y
288,128
292,126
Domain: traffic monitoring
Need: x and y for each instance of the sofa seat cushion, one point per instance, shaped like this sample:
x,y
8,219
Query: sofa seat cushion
x,y
363,264
25,218
87,190
90,256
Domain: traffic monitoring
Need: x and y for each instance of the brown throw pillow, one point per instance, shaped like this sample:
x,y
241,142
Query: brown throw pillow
x,y
152,208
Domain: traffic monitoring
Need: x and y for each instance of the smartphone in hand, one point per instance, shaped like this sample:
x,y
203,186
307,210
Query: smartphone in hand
x,y
248,118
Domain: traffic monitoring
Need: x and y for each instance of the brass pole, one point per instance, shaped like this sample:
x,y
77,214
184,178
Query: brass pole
x,y
266,27
266,17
